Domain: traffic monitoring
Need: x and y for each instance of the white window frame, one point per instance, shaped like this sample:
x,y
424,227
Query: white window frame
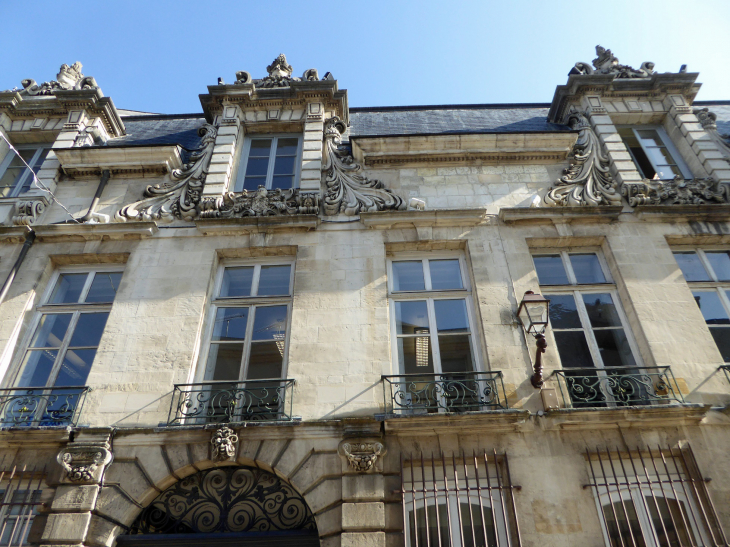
x,y
577,291
44,308
676,156
252,302
714,285
243,161
430,296
15,192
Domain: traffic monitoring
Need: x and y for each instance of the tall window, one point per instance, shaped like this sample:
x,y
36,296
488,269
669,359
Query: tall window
x,y
20,500
63,345
248,336
708,275
271,161
653,153
15,177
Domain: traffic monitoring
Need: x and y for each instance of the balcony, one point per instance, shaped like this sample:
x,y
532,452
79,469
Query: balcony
x,y
617,387
231,402
41,406
451,392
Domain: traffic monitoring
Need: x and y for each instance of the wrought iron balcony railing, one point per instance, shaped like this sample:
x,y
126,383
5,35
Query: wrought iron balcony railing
x,y
448,392
226,402
41,406
617,386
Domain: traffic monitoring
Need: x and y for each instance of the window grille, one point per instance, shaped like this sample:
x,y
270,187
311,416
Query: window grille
x,y
20,492
653,498
458,501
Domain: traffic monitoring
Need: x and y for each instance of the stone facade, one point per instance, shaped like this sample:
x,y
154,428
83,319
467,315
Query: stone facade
x,y
558,178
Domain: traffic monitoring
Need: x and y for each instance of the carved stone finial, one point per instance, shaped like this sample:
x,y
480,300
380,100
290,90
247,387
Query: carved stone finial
x,y
279,68
84,462
588,180
707,119
68,77
361,455
347,191
607,63
676,192
224,444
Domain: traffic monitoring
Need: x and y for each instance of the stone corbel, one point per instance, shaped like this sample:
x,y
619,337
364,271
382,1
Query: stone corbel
x,y
84,463
361,454
28,211
223,444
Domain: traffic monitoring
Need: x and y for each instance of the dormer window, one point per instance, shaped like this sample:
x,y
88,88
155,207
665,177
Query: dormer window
x,y
15,177
271,161
655,156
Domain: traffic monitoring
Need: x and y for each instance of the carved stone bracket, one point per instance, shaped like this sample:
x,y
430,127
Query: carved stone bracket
x,y
224,442
27,212
68,78
587,181
361,454
607,63
84,462
347,191
676,192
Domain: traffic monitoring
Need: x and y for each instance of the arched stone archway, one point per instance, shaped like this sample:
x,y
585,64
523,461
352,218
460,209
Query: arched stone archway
x,y
221,504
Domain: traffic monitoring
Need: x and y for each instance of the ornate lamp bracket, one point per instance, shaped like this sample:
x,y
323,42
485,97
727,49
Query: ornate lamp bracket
x,y
223,443
361,454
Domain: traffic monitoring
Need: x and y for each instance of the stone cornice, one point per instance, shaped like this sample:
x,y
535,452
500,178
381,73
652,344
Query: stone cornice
x,y
256,225
488,421
634,417
548,215
385,220
121,161
57,233
688,213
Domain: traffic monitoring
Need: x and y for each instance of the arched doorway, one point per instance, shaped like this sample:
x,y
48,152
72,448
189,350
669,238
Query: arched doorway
x,y
226,506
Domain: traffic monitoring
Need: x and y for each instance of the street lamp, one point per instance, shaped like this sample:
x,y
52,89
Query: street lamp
x,y
533,314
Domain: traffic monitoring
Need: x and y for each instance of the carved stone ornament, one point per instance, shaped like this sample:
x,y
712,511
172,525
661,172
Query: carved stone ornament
x,y
361,455
280,75
84,463
676,192
28,212
708,120
607,63
259,203
587,181
68,77
224,444
347,191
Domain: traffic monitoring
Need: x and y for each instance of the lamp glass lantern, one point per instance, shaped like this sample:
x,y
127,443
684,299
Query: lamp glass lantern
x,y
533,313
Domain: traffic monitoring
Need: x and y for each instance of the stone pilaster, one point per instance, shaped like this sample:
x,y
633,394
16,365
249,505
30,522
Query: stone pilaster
x,y
220,170
311,173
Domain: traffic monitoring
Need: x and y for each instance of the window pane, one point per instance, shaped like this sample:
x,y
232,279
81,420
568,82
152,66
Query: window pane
x,y
274,280
265,360
628,531
75,367
284,165
68,288
287,147
252,184
104,287
649,137
408,276
587,268
456,353
230,324
434,528
614,348
414,355
601,310
573,349
667,172
722,339
445,274
711,307
224,362
720,262
637,152
237,282
550,270
36,368
88,330
51,330
451,315
260,147
411,317
669,526
257,167
691,267
270,323
282,182
563,311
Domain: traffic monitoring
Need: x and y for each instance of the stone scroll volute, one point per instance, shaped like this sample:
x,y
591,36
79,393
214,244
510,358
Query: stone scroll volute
x,y
361,454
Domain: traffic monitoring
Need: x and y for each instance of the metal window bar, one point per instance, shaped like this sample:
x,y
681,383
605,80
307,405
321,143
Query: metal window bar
x,y
446,392
41,406
20,490
686,516
458,500
617,386
231,402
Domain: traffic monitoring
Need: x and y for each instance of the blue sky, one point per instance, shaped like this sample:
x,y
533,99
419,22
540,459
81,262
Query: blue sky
x,y
159,55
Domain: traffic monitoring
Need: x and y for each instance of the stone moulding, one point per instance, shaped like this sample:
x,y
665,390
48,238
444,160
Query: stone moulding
x,y
84,462
28,212
223,443
347,191
361,454
587,181
607,63
676,192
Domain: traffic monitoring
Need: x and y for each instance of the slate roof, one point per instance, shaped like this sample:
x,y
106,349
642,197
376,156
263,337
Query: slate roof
x,y
161,129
